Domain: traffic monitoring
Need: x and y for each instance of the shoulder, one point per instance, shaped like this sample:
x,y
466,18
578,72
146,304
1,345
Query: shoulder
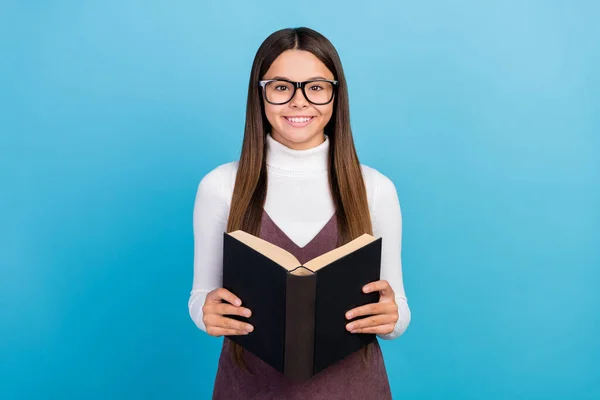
x,y
379,186
375,177
219,182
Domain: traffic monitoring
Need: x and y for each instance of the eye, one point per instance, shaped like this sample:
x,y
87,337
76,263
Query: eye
x,y
316,87
281,88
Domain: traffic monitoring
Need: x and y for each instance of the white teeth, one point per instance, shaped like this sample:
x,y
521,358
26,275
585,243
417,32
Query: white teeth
x,y
299,119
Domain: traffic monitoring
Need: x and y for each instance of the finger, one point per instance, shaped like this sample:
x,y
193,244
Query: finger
x,y
231,323
228,309
379,329
382,286
372,309
381,319
223,294
220,321
217,331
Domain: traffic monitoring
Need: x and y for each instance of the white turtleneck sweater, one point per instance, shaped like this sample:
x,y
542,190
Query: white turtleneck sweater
x,y
300,203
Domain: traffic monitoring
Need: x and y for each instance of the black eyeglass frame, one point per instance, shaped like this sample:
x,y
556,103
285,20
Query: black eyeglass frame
x,y
301,86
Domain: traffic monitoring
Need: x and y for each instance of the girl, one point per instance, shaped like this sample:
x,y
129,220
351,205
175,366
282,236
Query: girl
x,y
298,184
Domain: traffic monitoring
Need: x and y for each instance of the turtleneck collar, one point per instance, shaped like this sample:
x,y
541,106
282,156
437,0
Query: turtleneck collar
x,y
284,159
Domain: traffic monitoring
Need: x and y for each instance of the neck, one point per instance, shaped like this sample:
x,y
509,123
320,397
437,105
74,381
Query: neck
x,y
285,159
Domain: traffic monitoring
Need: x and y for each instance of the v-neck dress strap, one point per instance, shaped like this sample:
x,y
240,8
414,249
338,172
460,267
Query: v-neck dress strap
x,y
324,241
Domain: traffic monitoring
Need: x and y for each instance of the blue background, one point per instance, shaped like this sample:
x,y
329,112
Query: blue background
x,y
485,114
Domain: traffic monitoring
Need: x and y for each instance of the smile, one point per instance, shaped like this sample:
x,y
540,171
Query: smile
x,y
298,121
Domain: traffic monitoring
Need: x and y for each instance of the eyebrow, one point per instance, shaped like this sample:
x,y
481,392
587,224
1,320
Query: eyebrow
x,y
309,79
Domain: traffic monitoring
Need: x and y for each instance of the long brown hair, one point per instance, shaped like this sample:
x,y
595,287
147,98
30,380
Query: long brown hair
x,y
345,176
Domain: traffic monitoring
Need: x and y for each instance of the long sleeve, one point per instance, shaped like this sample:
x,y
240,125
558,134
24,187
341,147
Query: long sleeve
x,y
388,225
210,214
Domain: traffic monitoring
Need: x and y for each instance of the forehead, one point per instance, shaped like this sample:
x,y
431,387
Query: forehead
x,y
298,65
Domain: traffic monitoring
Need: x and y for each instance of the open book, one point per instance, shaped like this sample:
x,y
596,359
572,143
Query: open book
x,y
299,311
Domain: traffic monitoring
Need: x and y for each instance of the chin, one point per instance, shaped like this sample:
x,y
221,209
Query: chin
x,y
299,137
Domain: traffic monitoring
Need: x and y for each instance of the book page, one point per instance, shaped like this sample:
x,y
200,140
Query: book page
x,y
269,250
335,254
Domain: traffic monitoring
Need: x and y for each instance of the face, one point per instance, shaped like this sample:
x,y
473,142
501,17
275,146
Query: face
x,y
298,66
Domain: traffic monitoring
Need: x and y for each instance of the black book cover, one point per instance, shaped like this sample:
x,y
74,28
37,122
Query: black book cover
x,y
299,320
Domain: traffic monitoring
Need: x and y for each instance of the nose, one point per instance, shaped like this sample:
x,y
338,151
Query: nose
x,y
299,101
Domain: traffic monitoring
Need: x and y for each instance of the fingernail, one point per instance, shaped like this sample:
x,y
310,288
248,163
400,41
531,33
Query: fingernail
x,y
349,315
350,326
249,328
367,288
238,302
247,313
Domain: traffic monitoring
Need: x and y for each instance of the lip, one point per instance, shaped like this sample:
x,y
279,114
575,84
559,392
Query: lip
x,y
299,124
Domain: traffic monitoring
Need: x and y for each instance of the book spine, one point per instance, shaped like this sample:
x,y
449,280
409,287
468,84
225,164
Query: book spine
x,y
300,326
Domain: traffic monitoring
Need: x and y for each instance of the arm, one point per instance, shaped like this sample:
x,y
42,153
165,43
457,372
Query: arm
x,y
388,225
210,215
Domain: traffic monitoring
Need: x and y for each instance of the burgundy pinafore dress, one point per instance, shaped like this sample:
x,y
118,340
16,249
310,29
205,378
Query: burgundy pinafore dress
x,y
348,379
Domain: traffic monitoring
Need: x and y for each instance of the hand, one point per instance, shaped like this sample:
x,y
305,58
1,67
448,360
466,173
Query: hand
x,y
383,315
214,308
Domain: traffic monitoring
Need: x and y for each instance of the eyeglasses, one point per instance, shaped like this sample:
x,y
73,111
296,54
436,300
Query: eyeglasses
x,y
281,91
